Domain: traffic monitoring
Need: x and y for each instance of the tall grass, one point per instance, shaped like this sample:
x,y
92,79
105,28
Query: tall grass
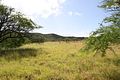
x,y
57,61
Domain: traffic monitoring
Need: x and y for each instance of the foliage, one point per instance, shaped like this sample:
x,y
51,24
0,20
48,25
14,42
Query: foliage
x,y
14,27
109,31
111,5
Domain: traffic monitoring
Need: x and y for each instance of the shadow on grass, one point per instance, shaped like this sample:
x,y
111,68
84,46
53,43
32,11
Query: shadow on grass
x,y
15,54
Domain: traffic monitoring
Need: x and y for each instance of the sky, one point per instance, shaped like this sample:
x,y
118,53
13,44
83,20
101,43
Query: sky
x,y
64,17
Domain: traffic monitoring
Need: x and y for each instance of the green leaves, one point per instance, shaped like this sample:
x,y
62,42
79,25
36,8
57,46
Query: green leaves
x,y
14,27
102,39
112,5
109,31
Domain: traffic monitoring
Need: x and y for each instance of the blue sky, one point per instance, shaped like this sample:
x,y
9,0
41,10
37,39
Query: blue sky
x,y
63,17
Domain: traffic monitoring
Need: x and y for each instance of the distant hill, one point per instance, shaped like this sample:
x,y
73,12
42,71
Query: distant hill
x,y
39,37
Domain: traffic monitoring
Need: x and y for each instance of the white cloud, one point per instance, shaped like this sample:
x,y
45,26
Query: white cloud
x,y
43,8
77,14
71,13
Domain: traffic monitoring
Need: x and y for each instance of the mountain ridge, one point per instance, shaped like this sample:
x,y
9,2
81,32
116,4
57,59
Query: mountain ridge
x,y
36,37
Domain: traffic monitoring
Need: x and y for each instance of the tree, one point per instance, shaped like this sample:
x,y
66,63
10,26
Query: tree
x,y
14,27
109,31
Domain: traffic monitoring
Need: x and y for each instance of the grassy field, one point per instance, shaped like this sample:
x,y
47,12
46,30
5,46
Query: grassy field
x,y
57,61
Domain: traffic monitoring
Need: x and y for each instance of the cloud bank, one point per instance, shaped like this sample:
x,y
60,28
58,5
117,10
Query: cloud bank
x,y
43,8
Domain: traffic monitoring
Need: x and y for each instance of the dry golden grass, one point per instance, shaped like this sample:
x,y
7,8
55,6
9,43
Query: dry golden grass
x,y
57,61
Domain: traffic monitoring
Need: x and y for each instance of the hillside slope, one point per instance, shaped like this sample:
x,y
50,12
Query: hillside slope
x,y
53,37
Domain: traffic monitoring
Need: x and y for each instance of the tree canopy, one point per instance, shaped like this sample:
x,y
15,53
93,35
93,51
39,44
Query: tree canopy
x,y
109,31
14,27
